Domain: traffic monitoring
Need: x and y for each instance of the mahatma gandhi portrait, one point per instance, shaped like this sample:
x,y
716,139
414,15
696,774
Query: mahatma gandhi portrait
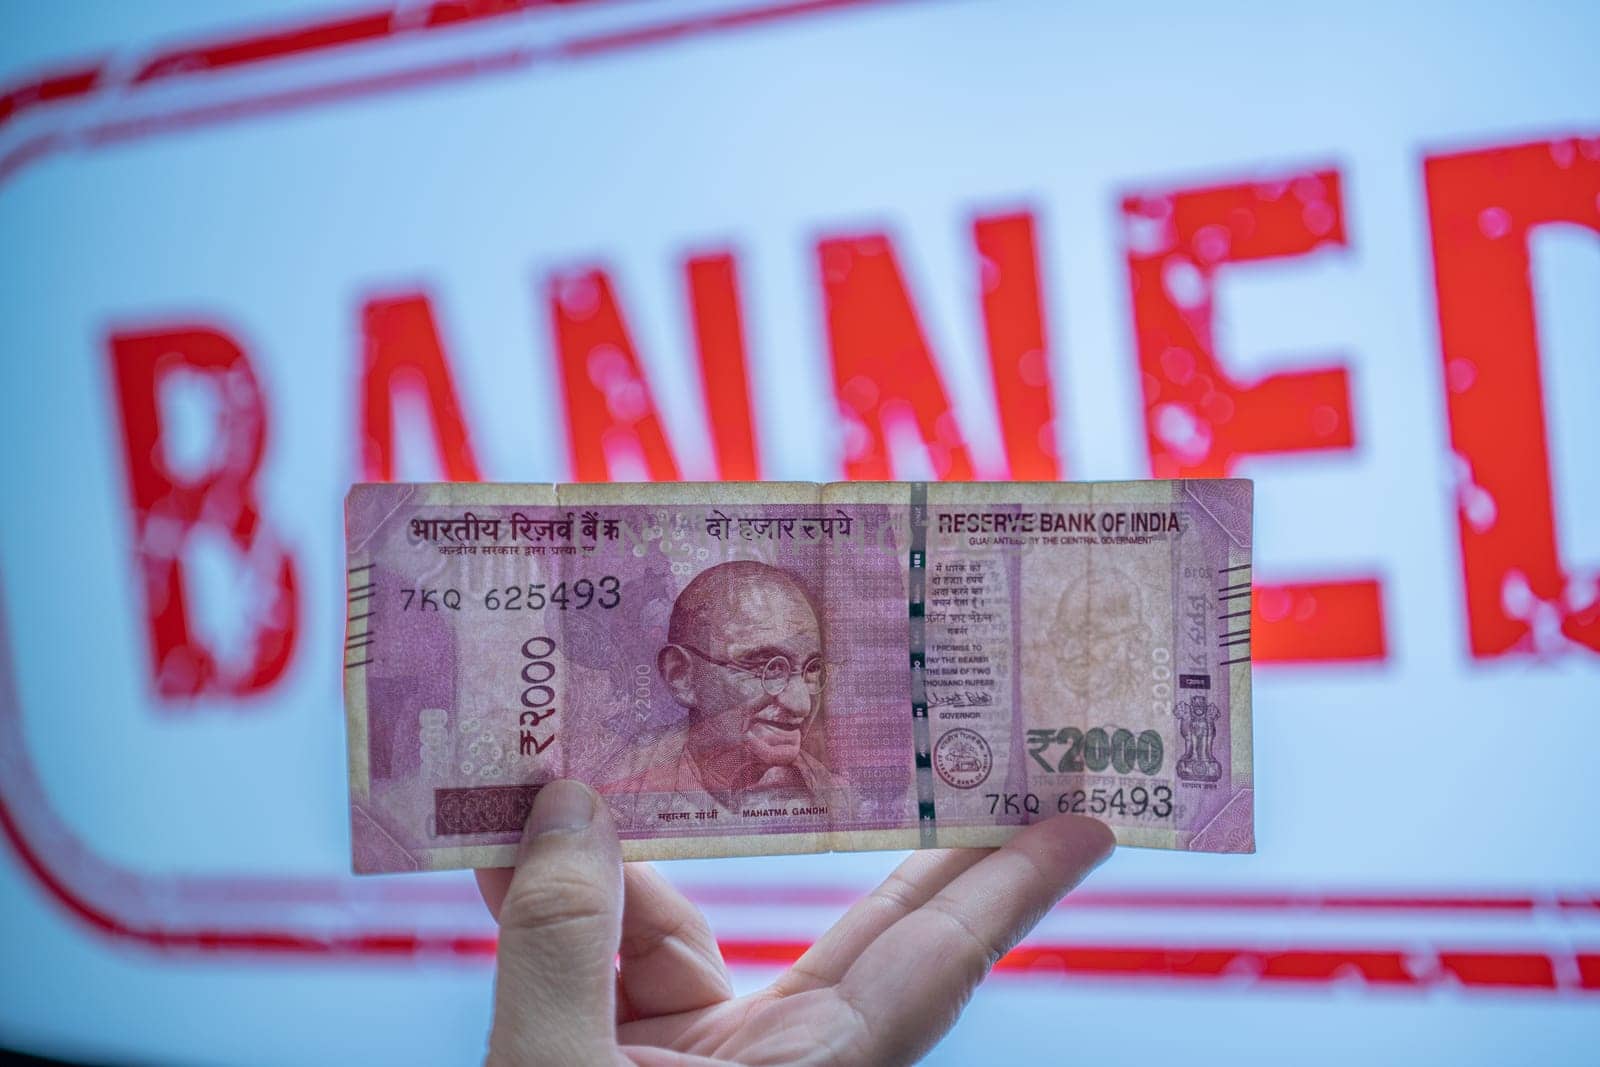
x,y
744,658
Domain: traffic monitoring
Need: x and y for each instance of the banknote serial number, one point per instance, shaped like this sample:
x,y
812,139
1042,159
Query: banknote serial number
x,y
1100,800
602,592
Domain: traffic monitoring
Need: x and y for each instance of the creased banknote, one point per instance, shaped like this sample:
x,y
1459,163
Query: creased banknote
x,y
747,668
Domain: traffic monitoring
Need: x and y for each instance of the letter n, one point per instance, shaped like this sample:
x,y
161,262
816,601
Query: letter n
x,y
885,372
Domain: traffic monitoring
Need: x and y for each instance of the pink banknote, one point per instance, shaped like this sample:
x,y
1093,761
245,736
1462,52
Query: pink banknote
x,y
747,668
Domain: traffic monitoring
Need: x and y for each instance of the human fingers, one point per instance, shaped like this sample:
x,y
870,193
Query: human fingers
x,y
656,1056
560,922
908,887
492,885
912,982
670,959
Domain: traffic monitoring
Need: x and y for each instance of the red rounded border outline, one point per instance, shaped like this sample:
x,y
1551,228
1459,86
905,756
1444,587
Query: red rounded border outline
x,y
1534,968
81,82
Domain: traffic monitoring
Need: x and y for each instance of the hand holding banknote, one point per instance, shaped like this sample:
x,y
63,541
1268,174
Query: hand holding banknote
x,y
602,963
747,669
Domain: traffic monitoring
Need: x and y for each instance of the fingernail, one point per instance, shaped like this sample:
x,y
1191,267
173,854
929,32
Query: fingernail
x,y
561,805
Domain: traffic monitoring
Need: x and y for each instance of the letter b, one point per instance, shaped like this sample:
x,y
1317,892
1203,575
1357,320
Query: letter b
x,y
175,496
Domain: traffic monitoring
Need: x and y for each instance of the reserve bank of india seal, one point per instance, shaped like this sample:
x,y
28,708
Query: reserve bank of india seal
x,y
962,758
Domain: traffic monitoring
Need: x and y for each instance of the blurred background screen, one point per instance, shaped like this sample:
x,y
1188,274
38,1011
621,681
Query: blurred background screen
x,y
254,252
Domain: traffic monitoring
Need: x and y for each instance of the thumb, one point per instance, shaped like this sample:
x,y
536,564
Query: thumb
x,y
560,926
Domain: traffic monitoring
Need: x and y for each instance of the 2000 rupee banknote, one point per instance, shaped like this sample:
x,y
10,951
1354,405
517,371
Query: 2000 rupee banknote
x,y
744,668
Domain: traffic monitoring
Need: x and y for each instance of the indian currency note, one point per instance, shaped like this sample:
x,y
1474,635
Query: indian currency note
x,y
752,668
